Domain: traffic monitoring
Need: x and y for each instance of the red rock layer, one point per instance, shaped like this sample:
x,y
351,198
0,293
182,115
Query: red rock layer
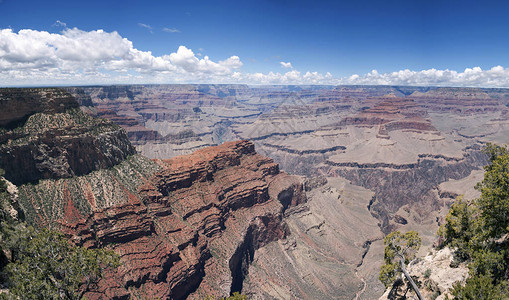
x,y
390,113
200,216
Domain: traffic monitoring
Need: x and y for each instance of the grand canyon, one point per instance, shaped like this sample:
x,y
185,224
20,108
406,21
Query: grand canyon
x,y
276,192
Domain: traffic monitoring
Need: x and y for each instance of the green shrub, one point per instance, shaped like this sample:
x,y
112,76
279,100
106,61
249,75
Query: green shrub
x,y
45,265
479,231
480,288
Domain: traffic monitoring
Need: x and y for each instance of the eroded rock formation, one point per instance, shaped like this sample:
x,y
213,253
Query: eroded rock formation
x,y
402,143
17,104
53,139
225,219
191,228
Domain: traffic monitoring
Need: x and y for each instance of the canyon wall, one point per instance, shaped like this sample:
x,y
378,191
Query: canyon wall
x,y
401,143
226,219
45,135
221,220
183,227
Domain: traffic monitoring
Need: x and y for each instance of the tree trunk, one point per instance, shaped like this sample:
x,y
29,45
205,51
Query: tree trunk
x,y
409,278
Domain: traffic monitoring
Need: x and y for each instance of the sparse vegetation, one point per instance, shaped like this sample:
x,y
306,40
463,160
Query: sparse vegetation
x,y
45,265
479,232
400,249
4,198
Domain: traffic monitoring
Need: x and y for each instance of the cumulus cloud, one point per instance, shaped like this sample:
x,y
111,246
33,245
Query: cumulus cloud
x,y
74,56
497,76
286,64
291,77
187,62
171,30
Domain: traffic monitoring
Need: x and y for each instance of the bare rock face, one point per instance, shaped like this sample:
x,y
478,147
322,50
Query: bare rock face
x,y
434,274
134,107
189,229
332,251
53,138
402,143
392,114
465,101
18,104
411,186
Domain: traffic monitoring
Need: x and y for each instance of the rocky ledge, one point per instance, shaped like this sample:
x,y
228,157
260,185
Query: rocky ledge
x,y
43,135
390,114
194,225
17,105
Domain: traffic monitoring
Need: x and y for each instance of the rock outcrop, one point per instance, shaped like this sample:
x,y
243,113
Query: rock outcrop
x,y
17,104
45,135
433,273
189,229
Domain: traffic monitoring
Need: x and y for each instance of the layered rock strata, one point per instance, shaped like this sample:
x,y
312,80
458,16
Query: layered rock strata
x,y
410,146
401,142
17,104
53,139
189,229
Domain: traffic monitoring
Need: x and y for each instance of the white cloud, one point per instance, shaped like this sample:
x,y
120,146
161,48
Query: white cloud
x,y
291,77
171,30
146,26
472,77
60,23
286,64
74,56
187,62
497,76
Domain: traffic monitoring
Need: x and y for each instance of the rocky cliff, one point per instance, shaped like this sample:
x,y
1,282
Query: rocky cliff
x,y
210,223
45,135
401,143
184,227
16,105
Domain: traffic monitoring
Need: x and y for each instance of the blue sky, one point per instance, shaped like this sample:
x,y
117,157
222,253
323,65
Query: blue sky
x,y
335,39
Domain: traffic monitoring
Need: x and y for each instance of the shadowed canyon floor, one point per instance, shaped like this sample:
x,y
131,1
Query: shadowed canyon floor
x,y
364,161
